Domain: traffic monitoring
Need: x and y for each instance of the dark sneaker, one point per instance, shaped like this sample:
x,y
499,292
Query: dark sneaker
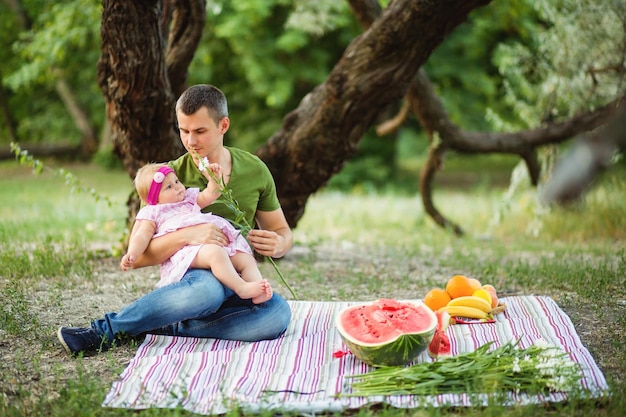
x,y
81,339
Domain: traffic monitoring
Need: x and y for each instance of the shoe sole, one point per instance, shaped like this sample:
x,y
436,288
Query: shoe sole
x,y
63,343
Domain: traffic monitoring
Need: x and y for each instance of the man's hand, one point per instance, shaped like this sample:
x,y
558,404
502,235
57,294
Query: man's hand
x,y
267,243
202,234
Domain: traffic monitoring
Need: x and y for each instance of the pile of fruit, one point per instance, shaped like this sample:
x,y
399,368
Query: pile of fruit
x,y
389,332
465,297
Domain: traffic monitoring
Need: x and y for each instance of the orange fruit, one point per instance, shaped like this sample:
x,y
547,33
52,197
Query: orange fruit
x,y
436,298
494,296
459,286
484,294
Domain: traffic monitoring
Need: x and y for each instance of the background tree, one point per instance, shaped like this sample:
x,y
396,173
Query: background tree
x,y
319,136
445,135
49,46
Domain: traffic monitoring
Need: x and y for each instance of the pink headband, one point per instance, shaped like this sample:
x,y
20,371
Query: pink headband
x,y
155,187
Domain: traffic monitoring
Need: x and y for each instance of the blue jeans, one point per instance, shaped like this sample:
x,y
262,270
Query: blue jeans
x,y
197,306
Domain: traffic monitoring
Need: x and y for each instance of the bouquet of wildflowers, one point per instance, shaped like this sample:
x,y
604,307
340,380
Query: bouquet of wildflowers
x,y
537,369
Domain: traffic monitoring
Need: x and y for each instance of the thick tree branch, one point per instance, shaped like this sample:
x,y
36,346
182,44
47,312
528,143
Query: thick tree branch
x,y
588,158
89,141
428,109
185,32
375,71
427,176
517,142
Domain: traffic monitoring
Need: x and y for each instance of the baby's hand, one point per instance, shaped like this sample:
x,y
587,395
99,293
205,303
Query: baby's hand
x,y
204,166
127,262
216,169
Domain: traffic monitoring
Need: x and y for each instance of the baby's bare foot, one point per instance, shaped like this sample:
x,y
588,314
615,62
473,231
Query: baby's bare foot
x,y
266,295
258,291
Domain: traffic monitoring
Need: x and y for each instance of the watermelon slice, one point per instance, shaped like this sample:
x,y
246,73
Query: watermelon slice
x,y
387,332
439,347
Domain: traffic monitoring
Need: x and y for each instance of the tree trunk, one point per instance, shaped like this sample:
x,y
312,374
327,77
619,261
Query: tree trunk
x,y
137,72
132,75
89,141
6,113
374,72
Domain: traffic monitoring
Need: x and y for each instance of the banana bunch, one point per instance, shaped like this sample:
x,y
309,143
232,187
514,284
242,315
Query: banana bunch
x,y
469,306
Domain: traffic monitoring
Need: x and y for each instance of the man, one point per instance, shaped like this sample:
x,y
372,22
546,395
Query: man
x,y
198,305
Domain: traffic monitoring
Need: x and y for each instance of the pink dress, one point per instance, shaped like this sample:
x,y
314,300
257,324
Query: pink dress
x,y
173,216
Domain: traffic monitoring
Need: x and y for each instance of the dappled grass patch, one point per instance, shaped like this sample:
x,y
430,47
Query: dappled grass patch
x,y
25,269
15,312
48,259
80,395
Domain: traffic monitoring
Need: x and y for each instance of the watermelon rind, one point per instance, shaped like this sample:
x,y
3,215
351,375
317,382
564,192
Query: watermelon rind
x,y
402,350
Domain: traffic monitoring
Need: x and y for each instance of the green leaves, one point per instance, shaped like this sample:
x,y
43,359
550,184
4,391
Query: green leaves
x,y
568,64
533,370
63,37
265,62
318,17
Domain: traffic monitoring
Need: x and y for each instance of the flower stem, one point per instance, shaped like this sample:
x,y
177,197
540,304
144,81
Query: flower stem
x,y
282,278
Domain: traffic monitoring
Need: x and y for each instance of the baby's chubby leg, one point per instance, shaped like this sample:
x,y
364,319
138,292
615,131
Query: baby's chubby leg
x,y
251,286
246,266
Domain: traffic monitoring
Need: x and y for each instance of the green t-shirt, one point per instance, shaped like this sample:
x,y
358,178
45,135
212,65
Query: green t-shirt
x,y
251,183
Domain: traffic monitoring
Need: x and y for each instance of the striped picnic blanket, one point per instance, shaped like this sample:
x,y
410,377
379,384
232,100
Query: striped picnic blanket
x,y
298,372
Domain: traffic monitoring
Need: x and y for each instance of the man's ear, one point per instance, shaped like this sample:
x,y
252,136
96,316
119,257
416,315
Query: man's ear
x,y
224,125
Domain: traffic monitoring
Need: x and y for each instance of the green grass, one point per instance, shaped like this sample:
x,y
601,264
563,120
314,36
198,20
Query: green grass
x,y
54,243
40,207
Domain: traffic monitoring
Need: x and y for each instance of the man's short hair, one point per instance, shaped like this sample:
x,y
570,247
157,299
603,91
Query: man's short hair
x,y
203,95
